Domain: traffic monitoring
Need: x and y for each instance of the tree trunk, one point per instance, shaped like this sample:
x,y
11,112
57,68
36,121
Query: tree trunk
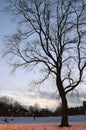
x,y
64,121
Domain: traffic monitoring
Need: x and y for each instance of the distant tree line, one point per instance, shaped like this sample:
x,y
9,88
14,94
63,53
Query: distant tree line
x,y
11,108
71,111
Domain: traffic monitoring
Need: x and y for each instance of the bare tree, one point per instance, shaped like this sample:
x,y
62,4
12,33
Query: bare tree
x,y
51,33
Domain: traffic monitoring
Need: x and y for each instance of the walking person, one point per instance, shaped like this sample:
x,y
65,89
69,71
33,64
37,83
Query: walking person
x,y
34,116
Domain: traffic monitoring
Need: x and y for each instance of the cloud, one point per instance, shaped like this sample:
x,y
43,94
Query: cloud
x,y
76,99
44,98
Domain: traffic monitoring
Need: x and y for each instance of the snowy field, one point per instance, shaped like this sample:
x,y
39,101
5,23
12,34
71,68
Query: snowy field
x,y
41,123
30,120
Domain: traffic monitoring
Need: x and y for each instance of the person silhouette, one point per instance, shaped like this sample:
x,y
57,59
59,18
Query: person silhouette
x,y
34,116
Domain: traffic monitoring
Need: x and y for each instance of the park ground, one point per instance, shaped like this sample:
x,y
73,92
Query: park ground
x,y
52,126
50,123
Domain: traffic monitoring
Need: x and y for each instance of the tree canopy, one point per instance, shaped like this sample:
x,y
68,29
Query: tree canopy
x,y
52,34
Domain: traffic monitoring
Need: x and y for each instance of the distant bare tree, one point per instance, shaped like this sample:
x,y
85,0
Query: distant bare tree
x,y
36,107
51,33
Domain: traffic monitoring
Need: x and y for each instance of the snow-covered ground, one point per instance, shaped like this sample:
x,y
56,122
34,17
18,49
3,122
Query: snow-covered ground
x,y
42,123
48,126
30,120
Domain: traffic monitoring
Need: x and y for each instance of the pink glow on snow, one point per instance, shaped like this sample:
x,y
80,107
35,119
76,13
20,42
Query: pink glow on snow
x,y
53,126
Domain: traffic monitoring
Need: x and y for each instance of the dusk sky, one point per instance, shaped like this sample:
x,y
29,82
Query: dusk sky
x,y
17,84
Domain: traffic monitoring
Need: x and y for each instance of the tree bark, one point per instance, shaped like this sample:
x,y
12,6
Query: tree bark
x,y
64,120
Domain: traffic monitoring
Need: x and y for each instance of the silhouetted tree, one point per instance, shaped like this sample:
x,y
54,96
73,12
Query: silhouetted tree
x,y
52,34
58,110
36,107
11,108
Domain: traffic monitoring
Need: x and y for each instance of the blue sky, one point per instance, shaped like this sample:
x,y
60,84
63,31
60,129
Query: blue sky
x,y
17,85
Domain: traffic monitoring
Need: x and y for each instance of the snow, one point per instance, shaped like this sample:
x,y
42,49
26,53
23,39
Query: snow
x,y
30,120
52,126
41,123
